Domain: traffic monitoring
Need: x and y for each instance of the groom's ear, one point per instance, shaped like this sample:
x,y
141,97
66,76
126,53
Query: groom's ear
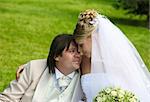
x,y
56,58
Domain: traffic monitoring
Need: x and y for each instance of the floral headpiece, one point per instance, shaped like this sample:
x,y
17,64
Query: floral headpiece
x,y
85,24
88,16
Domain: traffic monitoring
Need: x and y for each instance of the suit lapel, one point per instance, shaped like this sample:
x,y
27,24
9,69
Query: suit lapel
x,y
78,93
42,85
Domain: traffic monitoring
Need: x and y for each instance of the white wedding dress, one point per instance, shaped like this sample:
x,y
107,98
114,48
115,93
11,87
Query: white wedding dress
x,y
93,83
114,62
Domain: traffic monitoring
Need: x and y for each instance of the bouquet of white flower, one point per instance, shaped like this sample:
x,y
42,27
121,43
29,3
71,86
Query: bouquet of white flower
x,y
115,94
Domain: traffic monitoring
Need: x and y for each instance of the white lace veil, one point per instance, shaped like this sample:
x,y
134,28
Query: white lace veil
x,y
113,53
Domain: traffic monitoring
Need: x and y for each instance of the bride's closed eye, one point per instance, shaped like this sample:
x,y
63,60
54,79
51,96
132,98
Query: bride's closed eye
x,y
81,45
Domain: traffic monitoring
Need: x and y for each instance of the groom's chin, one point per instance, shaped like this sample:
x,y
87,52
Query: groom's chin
x,y
76,66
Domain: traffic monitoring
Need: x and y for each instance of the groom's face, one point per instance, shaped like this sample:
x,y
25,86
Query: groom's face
x,y
70,58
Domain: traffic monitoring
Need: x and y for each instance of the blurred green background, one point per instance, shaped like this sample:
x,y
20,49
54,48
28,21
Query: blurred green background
x,y
27,28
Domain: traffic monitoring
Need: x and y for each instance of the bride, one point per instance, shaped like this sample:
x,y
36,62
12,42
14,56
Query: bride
x,y
109,58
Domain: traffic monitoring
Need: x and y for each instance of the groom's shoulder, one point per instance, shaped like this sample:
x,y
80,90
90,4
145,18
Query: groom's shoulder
x,y
36,67
38,62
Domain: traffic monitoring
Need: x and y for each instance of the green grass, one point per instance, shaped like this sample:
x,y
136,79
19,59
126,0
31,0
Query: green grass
x,y
27,28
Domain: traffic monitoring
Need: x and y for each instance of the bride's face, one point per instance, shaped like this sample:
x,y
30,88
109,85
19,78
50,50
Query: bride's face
x,y
85,45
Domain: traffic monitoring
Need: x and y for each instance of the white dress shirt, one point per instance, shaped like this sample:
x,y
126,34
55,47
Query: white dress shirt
x,y
62,80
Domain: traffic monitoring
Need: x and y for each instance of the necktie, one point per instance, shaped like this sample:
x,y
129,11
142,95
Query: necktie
x,y
63,82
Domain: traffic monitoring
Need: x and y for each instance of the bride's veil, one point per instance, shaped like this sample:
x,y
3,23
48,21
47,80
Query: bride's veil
x,y
113,53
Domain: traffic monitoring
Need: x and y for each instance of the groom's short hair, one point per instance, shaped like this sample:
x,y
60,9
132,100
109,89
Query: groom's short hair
x,y
59,43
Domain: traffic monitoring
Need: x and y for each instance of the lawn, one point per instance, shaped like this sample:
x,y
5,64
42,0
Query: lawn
x,y
27,28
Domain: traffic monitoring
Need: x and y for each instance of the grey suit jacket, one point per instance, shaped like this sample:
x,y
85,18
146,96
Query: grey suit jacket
x,y
23,89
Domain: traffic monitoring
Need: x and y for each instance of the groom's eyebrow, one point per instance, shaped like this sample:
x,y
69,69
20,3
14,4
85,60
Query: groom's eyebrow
x,y
73,47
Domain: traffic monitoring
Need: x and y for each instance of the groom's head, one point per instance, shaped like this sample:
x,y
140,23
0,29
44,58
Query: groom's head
x,y
63,54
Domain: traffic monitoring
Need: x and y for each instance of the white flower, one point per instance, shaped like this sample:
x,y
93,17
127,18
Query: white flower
x,y
104,98
132,100
120,95
114,93
99,99
108,90
121,92
94,21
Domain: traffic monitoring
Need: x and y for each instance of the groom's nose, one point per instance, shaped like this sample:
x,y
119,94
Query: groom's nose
x,y
77,54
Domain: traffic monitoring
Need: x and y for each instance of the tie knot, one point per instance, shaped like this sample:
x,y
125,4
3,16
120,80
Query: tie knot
x,y
64,81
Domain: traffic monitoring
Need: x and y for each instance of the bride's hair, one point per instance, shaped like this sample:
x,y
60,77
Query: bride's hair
x,y
84,26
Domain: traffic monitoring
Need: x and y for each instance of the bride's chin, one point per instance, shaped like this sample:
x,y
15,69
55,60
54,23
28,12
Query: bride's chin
x,y
88,55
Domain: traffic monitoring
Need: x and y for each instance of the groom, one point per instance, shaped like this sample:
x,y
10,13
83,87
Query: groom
x,y
56,79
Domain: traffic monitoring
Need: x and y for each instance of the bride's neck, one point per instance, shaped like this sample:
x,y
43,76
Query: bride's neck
x,y
85,65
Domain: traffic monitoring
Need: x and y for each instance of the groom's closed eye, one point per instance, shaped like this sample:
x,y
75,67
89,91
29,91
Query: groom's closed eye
x,y
72,50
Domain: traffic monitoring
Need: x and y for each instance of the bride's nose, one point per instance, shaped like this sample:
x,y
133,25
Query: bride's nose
x,y
80,51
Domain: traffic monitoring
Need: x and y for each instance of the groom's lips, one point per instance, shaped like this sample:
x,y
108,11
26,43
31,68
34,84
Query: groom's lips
x,y
77,61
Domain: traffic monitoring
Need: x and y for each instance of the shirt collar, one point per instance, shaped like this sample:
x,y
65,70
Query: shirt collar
x,y
59,74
